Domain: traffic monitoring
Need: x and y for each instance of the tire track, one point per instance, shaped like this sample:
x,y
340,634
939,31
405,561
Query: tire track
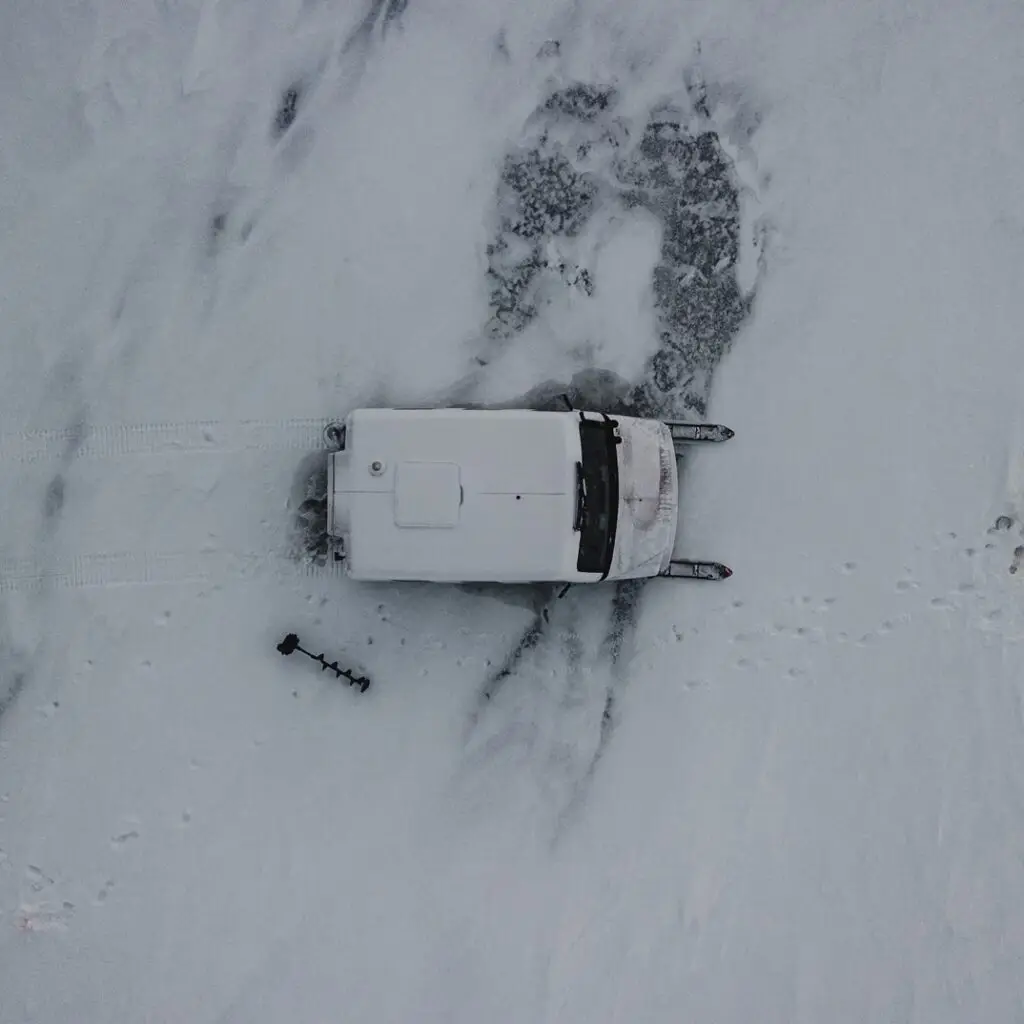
x,y
148,568
123,439
583,153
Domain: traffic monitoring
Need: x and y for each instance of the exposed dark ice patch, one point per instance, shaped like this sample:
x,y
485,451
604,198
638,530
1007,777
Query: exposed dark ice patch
x,y
581,101
547,191
580,154
550,197
541,197
686,180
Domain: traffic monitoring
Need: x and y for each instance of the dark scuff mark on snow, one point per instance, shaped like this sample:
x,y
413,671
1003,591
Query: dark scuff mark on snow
x,y
393,10
53,501
14,683
332,70
76,433
381,16
17,657
14,667
287,110
616,651
528,640
55,495
501,45
217,231
576,797
308,540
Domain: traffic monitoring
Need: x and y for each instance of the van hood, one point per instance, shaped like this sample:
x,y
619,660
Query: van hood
x,y
648,499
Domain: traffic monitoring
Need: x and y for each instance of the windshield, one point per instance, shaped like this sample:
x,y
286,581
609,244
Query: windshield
x,y
597,495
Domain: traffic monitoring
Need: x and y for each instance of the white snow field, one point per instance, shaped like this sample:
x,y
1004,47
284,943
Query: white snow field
x,y
795,796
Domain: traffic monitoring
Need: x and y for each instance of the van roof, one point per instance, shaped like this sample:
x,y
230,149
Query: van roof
x,y
458,494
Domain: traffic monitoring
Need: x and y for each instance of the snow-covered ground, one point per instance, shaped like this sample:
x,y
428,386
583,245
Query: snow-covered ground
x,y
794,796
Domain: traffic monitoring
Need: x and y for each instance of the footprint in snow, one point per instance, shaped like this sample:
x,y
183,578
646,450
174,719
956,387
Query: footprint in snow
x,y
44,917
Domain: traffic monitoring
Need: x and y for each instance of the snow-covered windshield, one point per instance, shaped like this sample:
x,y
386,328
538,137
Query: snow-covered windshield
x,y
598,496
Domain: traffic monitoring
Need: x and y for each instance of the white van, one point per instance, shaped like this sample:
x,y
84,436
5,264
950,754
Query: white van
x,y
508,495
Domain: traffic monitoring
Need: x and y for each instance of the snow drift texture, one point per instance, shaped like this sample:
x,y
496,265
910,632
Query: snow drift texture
x,y
794,796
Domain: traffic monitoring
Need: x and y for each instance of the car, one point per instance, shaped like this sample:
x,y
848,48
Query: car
x,y
457,495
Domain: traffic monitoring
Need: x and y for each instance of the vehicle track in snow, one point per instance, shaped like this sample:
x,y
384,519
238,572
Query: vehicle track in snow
x,y
577,155
114,440
541,718
153,568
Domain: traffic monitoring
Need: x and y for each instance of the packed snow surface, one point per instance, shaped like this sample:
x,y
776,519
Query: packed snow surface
x,y
795,796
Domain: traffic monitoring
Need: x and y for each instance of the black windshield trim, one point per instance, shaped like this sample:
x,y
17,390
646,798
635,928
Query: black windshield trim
x,y
600,476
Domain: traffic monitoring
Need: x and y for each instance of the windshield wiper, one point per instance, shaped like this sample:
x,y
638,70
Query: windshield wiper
x,y
581,499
